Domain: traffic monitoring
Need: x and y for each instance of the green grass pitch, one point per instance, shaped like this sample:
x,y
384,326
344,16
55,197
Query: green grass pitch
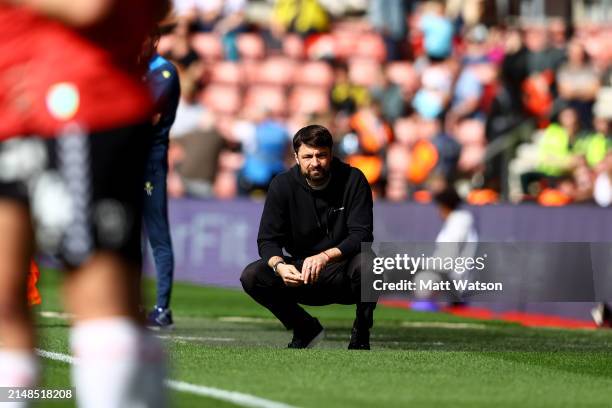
x,y
225,340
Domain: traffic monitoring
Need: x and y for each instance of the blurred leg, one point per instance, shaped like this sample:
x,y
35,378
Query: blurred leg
x,y
120,364
18,366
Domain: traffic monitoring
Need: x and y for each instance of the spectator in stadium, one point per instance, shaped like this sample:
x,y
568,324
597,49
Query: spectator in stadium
x,y
163,81
388,17
193,163
374,135
538,88
81,140
264,154
195,143
320,212
305,17
226,18
466,100
557,155
390,97
346,97
437,30
578,82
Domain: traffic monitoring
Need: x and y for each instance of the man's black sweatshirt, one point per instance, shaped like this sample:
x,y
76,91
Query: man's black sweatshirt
x,y
305,221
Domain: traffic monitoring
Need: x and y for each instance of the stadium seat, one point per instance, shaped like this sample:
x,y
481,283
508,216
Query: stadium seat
x,y
364,72
404,75
276,71
226,72
397,159
371,46
323,46
208,46
271,98
308,100
293,46
345,44
250,70
224,99
226,185
315,73
405,130
251,46
471,158
471,132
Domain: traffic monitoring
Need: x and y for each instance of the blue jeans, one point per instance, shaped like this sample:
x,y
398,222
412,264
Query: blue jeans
x,y
156,221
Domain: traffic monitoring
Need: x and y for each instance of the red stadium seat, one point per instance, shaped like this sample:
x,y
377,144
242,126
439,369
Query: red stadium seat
x,y
250,70
471,158
323,46
315,73
251,46
276,71
293,46
208,46
227,72
405,130
403,74
309,100
267,97
345,44
224,99
471,132
370,45
364,72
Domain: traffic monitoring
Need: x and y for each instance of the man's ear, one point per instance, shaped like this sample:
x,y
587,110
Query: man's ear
x,y
296,158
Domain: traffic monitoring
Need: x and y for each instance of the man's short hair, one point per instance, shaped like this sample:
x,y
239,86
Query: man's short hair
x,y
313,136
448,198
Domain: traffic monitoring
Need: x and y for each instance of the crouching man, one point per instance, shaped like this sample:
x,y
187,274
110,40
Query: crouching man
x,y
319,212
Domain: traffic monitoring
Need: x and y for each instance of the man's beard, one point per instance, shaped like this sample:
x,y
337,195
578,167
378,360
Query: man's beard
x,y
321,175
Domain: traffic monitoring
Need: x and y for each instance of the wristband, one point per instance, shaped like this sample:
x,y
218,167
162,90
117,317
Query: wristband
x,y
276,266
328,257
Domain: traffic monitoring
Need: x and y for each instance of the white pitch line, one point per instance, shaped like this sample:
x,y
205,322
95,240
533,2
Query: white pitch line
x,y
234,397
444,325
56,315
192,338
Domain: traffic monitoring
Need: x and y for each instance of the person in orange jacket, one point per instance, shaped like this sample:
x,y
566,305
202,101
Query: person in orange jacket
x,y
34,297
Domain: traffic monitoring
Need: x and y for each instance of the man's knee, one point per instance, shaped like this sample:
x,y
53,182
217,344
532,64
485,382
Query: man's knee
x,y
251,273
360,263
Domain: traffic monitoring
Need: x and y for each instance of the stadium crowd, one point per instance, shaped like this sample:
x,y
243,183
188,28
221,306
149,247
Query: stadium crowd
x,y
418,95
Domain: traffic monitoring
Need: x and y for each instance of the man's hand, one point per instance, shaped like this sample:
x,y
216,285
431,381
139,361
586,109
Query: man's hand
x,y
289,274
312,267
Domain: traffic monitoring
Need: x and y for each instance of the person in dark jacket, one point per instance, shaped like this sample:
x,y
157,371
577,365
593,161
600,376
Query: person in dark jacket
x,y
320,213
163,81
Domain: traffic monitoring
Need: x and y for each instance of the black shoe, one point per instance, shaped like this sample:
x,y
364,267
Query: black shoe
x,y
307,337
360,339
602,315
160,319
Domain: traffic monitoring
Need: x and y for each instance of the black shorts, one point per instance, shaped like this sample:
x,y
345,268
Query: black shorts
x,y
84,191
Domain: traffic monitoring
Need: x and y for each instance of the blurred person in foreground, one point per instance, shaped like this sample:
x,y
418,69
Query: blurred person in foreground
x,y
163,81
320,212
457,238
73,139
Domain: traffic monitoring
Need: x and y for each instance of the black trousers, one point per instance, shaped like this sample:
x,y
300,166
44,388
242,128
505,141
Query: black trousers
x,y
338,282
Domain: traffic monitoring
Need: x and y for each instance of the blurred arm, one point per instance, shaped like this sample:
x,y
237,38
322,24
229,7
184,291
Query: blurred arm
x,y
78,13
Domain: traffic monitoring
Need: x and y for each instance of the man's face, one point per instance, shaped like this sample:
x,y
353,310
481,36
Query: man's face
x,y
314,162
